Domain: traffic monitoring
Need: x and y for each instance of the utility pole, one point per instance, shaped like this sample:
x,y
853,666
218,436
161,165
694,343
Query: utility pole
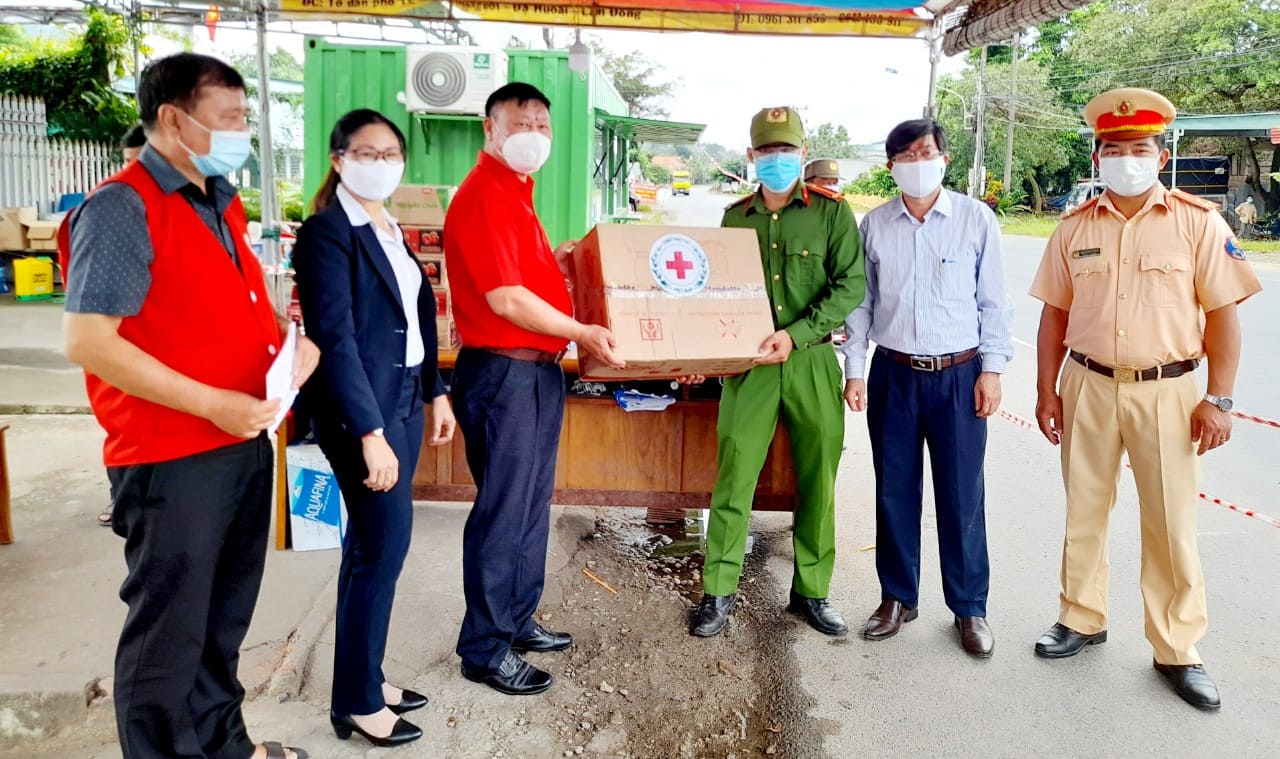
x,y
1013,109
979,179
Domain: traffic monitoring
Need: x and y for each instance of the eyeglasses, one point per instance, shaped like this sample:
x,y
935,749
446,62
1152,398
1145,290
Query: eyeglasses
x,y
923,155
369,155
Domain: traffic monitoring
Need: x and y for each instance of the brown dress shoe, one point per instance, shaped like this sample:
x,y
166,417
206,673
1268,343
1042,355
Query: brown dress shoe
x,y
889,618
976,637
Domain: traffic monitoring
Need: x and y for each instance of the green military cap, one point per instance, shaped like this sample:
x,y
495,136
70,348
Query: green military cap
x,y
821,168
772,126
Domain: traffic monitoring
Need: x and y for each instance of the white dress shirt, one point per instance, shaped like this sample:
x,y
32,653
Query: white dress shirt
x,y
933,287
409,277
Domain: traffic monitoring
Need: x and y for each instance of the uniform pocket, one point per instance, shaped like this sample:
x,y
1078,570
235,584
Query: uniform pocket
x,y
1090,278
1165,280
957,277
806,262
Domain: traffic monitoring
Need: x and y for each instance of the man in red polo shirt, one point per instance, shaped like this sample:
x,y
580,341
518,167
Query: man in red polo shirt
x,y
167,311
513,311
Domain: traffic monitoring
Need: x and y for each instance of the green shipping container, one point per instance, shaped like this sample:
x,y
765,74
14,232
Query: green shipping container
x,y
573,190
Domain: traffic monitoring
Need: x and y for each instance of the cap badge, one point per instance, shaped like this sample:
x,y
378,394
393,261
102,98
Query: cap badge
x,y
776,116
1123,108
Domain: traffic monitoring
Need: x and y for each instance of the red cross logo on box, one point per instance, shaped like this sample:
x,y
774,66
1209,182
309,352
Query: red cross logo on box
x,y
679,265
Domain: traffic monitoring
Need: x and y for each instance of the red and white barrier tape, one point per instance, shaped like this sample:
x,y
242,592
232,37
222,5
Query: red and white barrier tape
x,y
1029,425
1255,419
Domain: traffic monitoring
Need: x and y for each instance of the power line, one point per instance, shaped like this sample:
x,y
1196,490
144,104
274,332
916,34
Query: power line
x,y
1172,62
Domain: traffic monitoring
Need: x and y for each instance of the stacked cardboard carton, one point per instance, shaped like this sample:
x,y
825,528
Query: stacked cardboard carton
x,y
420,210
22,229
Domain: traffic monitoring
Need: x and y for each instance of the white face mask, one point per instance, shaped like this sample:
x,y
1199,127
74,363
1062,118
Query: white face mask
x,y
1129,176
371,181
920,178
526,152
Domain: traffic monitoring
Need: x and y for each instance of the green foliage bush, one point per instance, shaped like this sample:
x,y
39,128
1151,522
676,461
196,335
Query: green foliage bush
x,y
74,79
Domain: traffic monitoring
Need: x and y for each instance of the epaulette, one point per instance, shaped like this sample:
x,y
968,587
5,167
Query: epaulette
x,y
740,201
825,192
1090,203
1194,200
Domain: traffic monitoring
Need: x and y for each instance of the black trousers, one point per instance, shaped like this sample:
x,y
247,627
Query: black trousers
x,y
379,526
195,533
509,413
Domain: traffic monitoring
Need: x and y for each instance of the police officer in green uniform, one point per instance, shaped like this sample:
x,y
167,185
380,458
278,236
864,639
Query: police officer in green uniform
x,y
814,273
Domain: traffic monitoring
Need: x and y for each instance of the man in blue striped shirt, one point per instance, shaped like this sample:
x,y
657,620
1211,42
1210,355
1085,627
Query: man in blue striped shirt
x,y
937,309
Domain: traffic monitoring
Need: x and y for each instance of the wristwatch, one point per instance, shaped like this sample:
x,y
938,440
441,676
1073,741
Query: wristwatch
x,y
1223,402
375,433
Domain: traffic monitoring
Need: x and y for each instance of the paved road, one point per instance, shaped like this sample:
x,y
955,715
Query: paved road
x,y
918,693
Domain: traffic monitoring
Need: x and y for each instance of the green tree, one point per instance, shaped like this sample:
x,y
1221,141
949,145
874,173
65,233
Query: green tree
x,y
638,80
830,141
1207,56
875,181
1046,140
74,78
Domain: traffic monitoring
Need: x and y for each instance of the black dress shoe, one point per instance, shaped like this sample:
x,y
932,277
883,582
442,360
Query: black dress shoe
x,y
1193,684
711,615
976,636
542,640
403,732
1061,641
516,677
888,619
409,700
819,614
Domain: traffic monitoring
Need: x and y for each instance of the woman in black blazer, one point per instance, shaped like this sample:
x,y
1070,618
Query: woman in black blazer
x,y
367,305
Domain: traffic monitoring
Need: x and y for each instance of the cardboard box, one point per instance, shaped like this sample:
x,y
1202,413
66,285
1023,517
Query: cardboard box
x,y
432,241
42,235
433,267
679,300
443,307
447,333
419,205
317,514
13,230
412,238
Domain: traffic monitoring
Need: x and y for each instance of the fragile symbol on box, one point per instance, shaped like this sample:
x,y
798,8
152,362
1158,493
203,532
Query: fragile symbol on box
x,y
650,329
679,265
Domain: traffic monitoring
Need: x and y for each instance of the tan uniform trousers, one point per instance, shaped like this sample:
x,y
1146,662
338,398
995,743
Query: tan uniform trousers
x,y
1151,421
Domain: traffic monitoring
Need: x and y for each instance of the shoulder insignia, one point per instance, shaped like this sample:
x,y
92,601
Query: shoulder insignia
x,y
1194,200
740,201
1090,203
823,191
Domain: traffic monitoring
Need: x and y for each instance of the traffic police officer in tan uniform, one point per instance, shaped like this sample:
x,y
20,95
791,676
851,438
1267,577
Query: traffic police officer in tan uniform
x,y
1139,284
823,172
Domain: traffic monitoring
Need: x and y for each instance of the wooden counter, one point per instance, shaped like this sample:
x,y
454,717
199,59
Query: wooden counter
x,y
663,460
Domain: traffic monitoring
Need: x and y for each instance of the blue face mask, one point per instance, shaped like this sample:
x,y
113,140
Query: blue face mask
x,y
228,151
779,171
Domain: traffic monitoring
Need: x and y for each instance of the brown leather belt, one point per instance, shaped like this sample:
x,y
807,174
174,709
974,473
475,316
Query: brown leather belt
x,y
930,363
1134,374
525,354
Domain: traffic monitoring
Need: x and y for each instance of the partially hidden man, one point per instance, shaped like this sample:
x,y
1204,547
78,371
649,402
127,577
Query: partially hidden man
x,y
813,267
1139,286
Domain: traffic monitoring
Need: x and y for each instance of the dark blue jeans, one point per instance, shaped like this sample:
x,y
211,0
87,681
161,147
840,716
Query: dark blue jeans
x,y
379,526
906,410
509,413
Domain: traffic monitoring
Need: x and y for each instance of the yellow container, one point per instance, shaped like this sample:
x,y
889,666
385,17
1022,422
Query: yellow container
x,y
33,278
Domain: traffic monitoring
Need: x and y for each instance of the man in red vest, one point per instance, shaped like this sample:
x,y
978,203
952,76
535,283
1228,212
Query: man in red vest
x,y
167,311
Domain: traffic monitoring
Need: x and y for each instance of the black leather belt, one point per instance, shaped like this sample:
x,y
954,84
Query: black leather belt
x,y
930,363
1134,374
525,354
